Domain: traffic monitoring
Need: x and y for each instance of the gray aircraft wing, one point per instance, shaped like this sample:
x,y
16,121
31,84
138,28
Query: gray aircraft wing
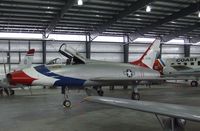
x,y
170,110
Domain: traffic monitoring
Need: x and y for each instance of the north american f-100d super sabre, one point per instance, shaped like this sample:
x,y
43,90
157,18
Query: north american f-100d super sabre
x,y
80,72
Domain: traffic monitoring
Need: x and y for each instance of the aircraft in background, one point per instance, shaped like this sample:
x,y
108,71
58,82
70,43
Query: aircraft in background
x,y
25,63
80,72
181,67
178,114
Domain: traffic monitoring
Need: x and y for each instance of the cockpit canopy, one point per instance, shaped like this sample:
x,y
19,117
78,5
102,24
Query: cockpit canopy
x,y
73,56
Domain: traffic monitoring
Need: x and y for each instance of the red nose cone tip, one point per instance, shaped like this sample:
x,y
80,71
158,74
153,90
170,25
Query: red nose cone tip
x,y
19,77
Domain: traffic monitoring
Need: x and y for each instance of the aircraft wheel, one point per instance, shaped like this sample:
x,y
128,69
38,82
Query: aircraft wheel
x,y
135,96
125,87
194,83
67,103
112,88
179,124
12,92
100,92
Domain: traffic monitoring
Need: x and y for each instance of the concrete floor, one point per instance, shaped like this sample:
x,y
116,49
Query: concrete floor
x,y
43,111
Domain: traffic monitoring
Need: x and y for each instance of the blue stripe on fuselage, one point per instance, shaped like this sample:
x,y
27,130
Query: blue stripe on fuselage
x,y
63,80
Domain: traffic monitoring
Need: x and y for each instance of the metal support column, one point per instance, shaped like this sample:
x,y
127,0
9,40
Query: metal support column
x,y
186,48
29,44
8,57
160,55
20,59
44,52
126,48
88,46
126,52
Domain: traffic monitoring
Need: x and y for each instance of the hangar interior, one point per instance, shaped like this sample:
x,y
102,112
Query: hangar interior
x,y
110,30
123,21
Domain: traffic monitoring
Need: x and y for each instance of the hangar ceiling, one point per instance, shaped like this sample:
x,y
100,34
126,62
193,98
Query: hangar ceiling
x,y
167,19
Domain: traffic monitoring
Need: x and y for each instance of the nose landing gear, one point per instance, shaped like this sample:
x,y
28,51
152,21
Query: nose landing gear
x,y
194,83
66,102
135,93
99,90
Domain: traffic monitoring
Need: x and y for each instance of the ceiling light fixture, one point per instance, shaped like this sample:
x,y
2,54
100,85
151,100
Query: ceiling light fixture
x,y
80,2
199,14
148,8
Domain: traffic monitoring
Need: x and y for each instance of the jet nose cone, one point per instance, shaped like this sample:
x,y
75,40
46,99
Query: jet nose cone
x,y
19,77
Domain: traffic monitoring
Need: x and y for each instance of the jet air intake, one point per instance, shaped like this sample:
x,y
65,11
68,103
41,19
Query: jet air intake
x,y
19,78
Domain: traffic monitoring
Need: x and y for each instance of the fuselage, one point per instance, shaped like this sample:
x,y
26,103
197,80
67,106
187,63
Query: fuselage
x,y
80,75
182,64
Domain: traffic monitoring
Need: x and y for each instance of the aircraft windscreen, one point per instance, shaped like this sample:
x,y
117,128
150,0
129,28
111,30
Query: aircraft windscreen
x,y
55,61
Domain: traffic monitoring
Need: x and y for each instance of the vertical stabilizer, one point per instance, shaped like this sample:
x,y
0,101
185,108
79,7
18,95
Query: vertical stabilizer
x,y
27,61
148,58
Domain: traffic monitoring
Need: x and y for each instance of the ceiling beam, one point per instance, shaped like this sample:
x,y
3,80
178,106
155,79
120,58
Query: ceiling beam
x,y
58,17
181,32
183,12
132,8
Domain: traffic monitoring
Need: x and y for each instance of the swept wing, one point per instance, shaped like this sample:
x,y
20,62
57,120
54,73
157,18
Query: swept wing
x,y
170,110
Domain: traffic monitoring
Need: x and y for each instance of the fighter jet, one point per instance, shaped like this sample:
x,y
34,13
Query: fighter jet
x,y
81,73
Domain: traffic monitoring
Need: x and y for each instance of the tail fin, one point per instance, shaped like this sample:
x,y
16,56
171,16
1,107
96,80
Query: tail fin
x,y
148,58
28,59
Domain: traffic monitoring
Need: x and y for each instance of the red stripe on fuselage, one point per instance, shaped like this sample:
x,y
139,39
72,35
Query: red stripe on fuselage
x,y
19,77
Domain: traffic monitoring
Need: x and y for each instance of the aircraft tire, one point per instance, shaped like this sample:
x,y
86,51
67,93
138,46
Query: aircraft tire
x,y
67,103
135,96
12,92
125,87
179,124
194,83
112,88
100,92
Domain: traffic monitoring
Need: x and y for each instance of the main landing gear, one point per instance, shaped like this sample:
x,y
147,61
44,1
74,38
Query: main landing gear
x,y
66,102
12,92
95,90
172,124
99,90
194,83
135,94
7,91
